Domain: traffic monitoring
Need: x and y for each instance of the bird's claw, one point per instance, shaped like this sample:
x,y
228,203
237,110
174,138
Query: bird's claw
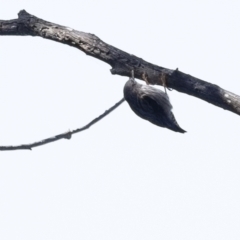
x,y
163,79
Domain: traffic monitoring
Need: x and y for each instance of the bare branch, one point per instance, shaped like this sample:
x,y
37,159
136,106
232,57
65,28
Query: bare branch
x,y
66,135
122,63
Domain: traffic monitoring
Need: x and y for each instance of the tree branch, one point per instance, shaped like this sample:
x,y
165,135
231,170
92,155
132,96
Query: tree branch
x,y
122,63
66,135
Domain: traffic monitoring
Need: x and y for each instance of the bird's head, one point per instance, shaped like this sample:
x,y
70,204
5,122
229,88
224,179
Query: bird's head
x,y
129,88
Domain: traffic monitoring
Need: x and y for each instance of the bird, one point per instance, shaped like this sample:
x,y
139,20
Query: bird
x,y
151,104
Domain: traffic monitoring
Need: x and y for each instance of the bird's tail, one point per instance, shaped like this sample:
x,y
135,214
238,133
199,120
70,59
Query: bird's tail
x,y
175,126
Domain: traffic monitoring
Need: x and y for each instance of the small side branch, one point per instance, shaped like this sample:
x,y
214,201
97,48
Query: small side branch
x,y
66,135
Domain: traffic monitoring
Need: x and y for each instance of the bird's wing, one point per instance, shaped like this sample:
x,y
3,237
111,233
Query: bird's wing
x,y
155,98
160,114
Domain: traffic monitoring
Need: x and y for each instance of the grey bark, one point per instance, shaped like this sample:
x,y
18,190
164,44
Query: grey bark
x,y
121,62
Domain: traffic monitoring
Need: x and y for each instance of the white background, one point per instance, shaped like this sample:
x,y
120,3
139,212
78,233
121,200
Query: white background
x,y
124,178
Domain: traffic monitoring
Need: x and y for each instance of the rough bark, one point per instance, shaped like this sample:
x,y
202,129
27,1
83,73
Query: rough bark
x,y
121,62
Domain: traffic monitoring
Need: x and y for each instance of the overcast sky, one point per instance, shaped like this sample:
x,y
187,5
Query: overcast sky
x,y
124,178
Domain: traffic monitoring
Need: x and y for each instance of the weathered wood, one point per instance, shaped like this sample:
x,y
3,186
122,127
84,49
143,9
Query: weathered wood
x,y
122,63
66,135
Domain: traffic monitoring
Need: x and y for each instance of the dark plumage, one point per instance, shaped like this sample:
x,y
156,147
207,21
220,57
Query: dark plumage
x,y
151,104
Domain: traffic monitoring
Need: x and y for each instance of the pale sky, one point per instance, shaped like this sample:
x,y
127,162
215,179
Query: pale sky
x,y
124,178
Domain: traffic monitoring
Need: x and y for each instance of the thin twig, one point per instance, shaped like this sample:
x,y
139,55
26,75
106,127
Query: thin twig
x,y
66,135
